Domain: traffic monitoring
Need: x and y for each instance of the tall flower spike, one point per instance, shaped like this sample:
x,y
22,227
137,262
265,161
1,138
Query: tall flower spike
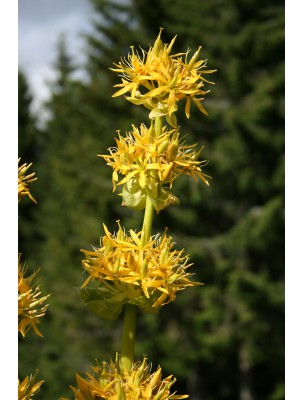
x,y
149,165
31,305
23,181
126,271
158,80
109,382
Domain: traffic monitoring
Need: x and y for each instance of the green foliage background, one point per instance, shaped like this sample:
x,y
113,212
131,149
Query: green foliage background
x,y
225,340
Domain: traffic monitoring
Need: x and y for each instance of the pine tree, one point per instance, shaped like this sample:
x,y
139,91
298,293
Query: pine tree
x,y
239,244
74,185
29,146
70,188
27,135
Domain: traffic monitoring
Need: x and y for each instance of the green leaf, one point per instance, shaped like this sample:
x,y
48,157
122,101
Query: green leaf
x,y
145,304
102,302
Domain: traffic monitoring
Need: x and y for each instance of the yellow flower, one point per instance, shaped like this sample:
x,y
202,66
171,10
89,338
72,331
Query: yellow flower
x,y
159,80
149,165
128,271
30,302
23,181
108,381
28,387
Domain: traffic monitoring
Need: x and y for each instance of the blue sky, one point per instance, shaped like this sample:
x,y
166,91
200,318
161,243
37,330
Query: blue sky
x,y
40,22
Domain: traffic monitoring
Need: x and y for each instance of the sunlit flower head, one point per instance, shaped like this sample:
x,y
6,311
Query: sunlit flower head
x,y
28,387
23,181
31,305
148,275
159,80
147,165
108,381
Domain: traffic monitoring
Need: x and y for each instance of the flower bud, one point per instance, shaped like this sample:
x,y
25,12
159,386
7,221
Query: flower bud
x,y
133,195
164,254
151,134
116,266
144,268
162,147
104,375
107,246
158,44
120,233
140,372
173,149
156,378
193,59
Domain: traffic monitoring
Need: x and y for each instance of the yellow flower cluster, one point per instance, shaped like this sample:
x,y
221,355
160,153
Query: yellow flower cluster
x,y
30,302
149,163
109,382
23,181
28,387
31,305
148,275
159,80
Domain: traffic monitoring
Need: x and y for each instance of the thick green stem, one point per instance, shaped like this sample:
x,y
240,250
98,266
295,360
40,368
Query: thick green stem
x,y
148,217
147,224
129,324
158,125
128,337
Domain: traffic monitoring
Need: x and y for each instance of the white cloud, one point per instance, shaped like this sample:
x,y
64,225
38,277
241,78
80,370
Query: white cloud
x,y
40,24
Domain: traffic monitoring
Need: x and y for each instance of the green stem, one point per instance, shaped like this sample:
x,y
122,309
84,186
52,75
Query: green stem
x,y
147,224
128,337
129,324
148,217
158,125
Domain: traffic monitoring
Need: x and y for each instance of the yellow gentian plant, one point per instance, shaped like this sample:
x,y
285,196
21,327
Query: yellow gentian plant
x,y
138,270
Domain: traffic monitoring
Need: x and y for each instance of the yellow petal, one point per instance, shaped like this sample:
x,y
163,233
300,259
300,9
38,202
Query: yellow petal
x,y
157,91
125,89
199,105
187,107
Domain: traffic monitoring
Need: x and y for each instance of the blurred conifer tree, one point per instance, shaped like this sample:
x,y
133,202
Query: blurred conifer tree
x,y
234,231
28,150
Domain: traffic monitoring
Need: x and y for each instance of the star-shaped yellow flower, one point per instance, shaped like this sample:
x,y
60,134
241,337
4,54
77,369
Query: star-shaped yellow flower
x,y
28,387
148,165
159,80
31,305
23,181
148,275
109,382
